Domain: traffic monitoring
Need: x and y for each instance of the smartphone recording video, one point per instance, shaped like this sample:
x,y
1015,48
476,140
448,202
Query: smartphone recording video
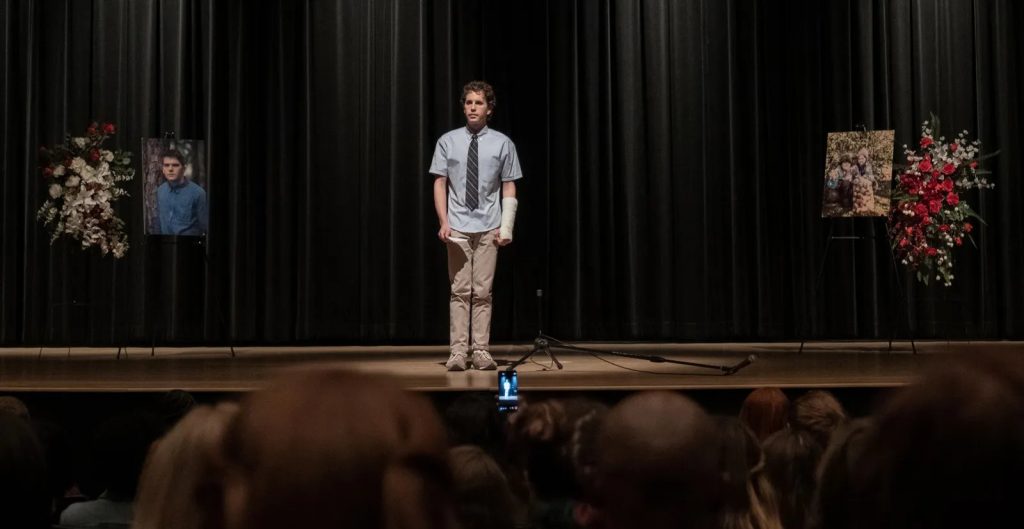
x,y
508,391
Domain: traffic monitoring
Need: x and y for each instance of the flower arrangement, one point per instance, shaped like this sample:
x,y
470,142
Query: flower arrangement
x,y
929,218
83,181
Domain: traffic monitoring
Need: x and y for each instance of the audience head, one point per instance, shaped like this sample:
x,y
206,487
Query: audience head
x,y
835,506
748,500
819,413
24,502
791,461
947,451
765,411
177,489
173,405
14,406
472,418
553,442
120,445
657,465
482,494
329,448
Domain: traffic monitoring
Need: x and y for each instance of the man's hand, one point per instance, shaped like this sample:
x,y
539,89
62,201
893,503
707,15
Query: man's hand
x,y
499,241
444,233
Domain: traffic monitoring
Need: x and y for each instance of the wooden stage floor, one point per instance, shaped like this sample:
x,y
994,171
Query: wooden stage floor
x,y
822,364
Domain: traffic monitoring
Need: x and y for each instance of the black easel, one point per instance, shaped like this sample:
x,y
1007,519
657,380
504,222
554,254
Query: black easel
x,y
201,241
895,269
544,343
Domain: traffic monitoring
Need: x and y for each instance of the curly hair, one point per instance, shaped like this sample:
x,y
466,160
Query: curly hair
x,y
482,87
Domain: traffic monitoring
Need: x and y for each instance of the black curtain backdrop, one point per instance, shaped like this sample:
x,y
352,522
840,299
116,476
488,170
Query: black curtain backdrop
x,y
673,153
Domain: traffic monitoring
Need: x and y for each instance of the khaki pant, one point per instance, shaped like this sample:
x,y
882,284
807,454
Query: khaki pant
x,y
471,265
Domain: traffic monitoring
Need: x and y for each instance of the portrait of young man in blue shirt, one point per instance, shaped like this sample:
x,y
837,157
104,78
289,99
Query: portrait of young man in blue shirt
x,y
474,168
180,202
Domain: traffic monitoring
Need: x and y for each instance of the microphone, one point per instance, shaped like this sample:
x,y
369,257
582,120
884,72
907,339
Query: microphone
x,y
743,363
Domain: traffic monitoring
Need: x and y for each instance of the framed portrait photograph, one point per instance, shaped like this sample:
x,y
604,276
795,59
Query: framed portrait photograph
x,y
174,187
858,174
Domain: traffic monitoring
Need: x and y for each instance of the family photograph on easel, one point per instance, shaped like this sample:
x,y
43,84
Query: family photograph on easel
x,y
858,174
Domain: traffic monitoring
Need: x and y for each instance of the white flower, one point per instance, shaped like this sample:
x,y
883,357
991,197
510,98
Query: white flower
x,y
58,171
79,142
55,190
73,181
107,156
77,164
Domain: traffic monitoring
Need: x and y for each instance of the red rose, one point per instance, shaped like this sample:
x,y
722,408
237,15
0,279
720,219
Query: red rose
x,y
968,227
94,155
921,210
947,185
974,164
91,130
958,241
909,230
953,147
924,165
47,171
944,227
109,128
948,168
926,221
932,251
952,199
904,242
935,206
926,141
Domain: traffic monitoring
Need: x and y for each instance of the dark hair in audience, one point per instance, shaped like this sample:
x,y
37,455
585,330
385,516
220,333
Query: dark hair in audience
x,y
472,418
120,445
657,466
173,405
817,412
791,461
748,499
765,411
14,406
553,443
483,497
834,506
329,448
24,502
948,452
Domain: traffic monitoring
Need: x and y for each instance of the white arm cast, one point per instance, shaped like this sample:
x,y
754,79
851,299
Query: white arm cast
x,y
508,217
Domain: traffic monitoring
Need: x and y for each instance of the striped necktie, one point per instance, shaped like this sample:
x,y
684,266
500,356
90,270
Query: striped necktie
x,y
472,181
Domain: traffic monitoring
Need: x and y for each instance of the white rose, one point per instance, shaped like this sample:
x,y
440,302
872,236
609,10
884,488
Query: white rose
x,y
58,171
79,142
108,156
77,164
55,190
73,181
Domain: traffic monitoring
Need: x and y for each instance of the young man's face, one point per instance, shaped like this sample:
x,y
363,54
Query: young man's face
x,y
476,110
172,168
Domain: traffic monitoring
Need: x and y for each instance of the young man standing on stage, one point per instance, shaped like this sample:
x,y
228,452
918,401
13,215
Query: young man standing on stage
x,y
471,166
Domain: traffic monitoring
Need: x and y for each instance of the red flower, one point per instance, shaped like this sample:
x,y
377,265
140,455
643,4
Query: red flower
x,y
947,185
904,242
948,168
935,206
952,199
47,171
91,130
924,165
968,227
921,210
94,155
953,147
926,221
932,251
926,141
109,128
944,227
958,241
974,164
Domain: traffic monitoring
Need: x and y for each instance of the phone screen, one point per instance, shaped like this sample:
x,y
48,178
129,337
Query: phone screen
x,y
508,391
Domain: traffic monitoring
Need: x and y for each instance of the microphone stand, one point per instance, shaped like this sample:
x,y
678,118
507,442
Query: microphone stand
x,y
544,343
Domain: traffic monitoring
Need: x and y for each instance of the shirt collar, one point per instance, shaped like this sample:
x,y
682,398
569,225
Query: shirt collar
x,y
182,182
478,134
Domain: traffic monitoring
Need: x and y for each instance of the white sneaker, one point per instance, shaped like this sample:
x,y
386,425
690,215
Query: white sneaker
x,y
457,362
482,360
